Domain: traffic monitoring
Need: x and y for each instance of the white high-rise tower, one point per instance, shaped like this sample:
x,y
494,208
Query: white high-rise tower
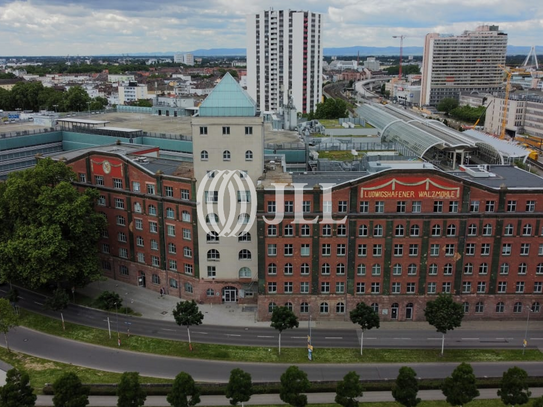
x,y
284,59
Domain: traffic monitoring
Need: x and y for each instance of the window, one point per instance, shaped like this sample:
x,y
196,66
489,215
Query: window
x,y
527,230
415,230
446,287
152,210
244,237
211,196
362,250
272,230
481,287
436,230
508,230
416,207
155,261
360,288
397,270
504,268
188,268
483,268
511,206
324,309
453,206
479,307
304,307
434,249
341,249
139,241
398,250
271,306
465,305
272,288
105,248
375,288
327,230
375,307
530,206
168,191
412,269
304,287
401,206
538,287
377,250
226,155
396,288
172,248
362,231
472,229
399,231
225,130
203,130
304,269
289,230
377,231
155,279
289,206
213,255
438,206
271,206
185,216
101,200
364,206
522,268
361,270
411,287
154,244
272,250
340,308
121,237
470,249
342,206
172,265
325,287
305,230
468,268
121,221
119,203
151,189
451,230
244,255
326,249
306,206
287,287
170,214
500,307
485,249
448,269
305,250
248,130
288,270
519,287
517,307
466,287
539,269
489,206
248,155
171,230
325,269
502,287
536,307
288,249
82,177
98,180
506,249
524,249
122,269
376,270
211,271
474,206
185,194
243,218
341,230
431,288
449,249
379,206
340,269
432,270
272,269
487,229
204,155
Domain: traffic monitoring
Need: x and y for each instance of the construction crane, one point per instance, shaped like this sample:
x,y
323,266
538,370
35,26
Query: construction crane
x,y
401,37
506,100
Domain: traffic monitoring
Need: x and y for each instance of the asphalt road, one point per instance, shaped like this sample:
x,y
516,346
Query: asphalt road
x,y
267,399
117,360
265,336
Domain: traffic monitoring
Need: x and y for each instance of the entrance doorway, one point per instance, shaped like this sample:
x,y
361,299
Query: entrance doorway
x,y
394,311
409,311
141,279
229,294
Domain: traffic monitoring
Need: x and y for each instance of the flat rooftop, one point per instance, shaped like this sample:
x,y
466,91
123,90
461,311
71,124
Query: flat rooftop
x,y
511,176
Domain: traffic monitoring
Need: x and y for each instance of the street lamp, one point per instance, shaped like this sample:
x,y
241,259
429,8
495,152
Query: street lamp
x,y
88,106
525,342
117,315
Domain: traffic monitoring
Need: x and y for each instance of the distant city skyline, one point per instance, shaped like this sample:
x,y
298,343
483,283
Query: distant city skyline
x,y
99,27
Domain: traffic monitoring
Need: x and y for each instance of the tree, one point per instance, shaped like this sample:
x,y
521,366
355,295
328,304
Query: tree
x,y
240,387
58,302
538,402
513,387
447,105
184,391
129,392
444,315
294,382
461,387
331,109
50,230
186,313
8,319
366,317
348,390
76,99
13,296
108,301
406,387
17,391
70,392
283,318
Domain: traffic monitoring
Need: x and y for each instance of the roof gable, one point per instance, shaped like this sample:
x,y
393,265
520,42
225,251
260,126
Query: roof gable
x,y
228,99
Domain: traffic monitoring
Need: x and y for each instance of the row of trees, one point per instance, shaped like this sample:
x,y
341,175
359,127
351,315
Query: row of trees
x,y
459,389
330,109
465,113
34,96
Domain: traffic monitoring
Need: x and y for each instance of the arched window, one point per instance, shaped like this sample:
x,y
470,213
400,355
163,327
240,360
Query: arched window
x,y
325,269
243,218
375,307
412,269
527,230
479,307
363,230
397,269
465,305
213,255
377,231
340,308
415,230
226,155
500,307
271,306
399,231
324,308
451,230
340,269
468,268
212,237
210,292
536,307
244,255
212,218
244,237
204,156
288,305
245,272
517,308
304,269
436,230
288,269
487,230
472,229
432,269
304,307
272,268
137,207
248,155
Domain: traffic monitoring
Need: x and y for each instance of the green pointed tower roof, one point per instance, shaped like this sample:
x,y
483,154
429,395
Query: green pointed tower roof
x,y
228,99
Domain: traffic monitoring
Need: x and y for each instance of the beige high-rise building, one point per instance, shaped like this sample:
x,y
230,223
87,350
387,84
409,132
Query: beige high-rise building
x,y
463,63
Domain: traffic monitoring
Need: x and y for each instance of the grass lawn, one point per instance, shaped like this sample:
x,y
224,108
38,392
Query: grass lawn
x,y
270,355
334,124
340,155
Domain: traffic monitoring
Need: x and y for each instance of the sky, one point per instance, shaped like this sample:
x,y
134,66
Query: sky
x,y
99,27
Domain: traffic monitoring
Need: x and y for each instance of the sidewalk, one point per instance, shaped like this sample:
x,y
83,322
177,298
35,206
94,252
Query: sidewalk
x,y
152,306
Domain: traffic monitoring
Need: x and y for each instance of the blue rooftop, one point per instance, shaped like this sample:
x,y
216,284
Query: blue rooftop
x,y
228,99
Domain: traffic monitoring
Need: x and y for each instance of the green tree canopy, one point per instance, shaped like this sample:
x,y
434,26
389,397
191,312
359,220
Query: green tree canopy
x,y
331,109
8,319
444,315
514,388
70,392
108,301
447,105
294,382
17,391
406,387
76,99
129,392
283,318
366,317
348,390
186,313
50,230
240,387
461,387
184,391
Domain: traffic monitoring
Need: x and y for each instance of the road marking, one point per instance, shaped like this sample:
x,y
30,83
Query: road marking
x,y
39,303
264,336
433,339
333,337
232,335
294,337
469,339
402,339
369,339
200,333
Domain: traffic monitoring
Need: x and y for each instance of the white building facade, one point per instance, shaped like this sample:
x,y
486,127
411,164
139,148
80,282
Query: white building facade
x,y
464,63
284,59
132,91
